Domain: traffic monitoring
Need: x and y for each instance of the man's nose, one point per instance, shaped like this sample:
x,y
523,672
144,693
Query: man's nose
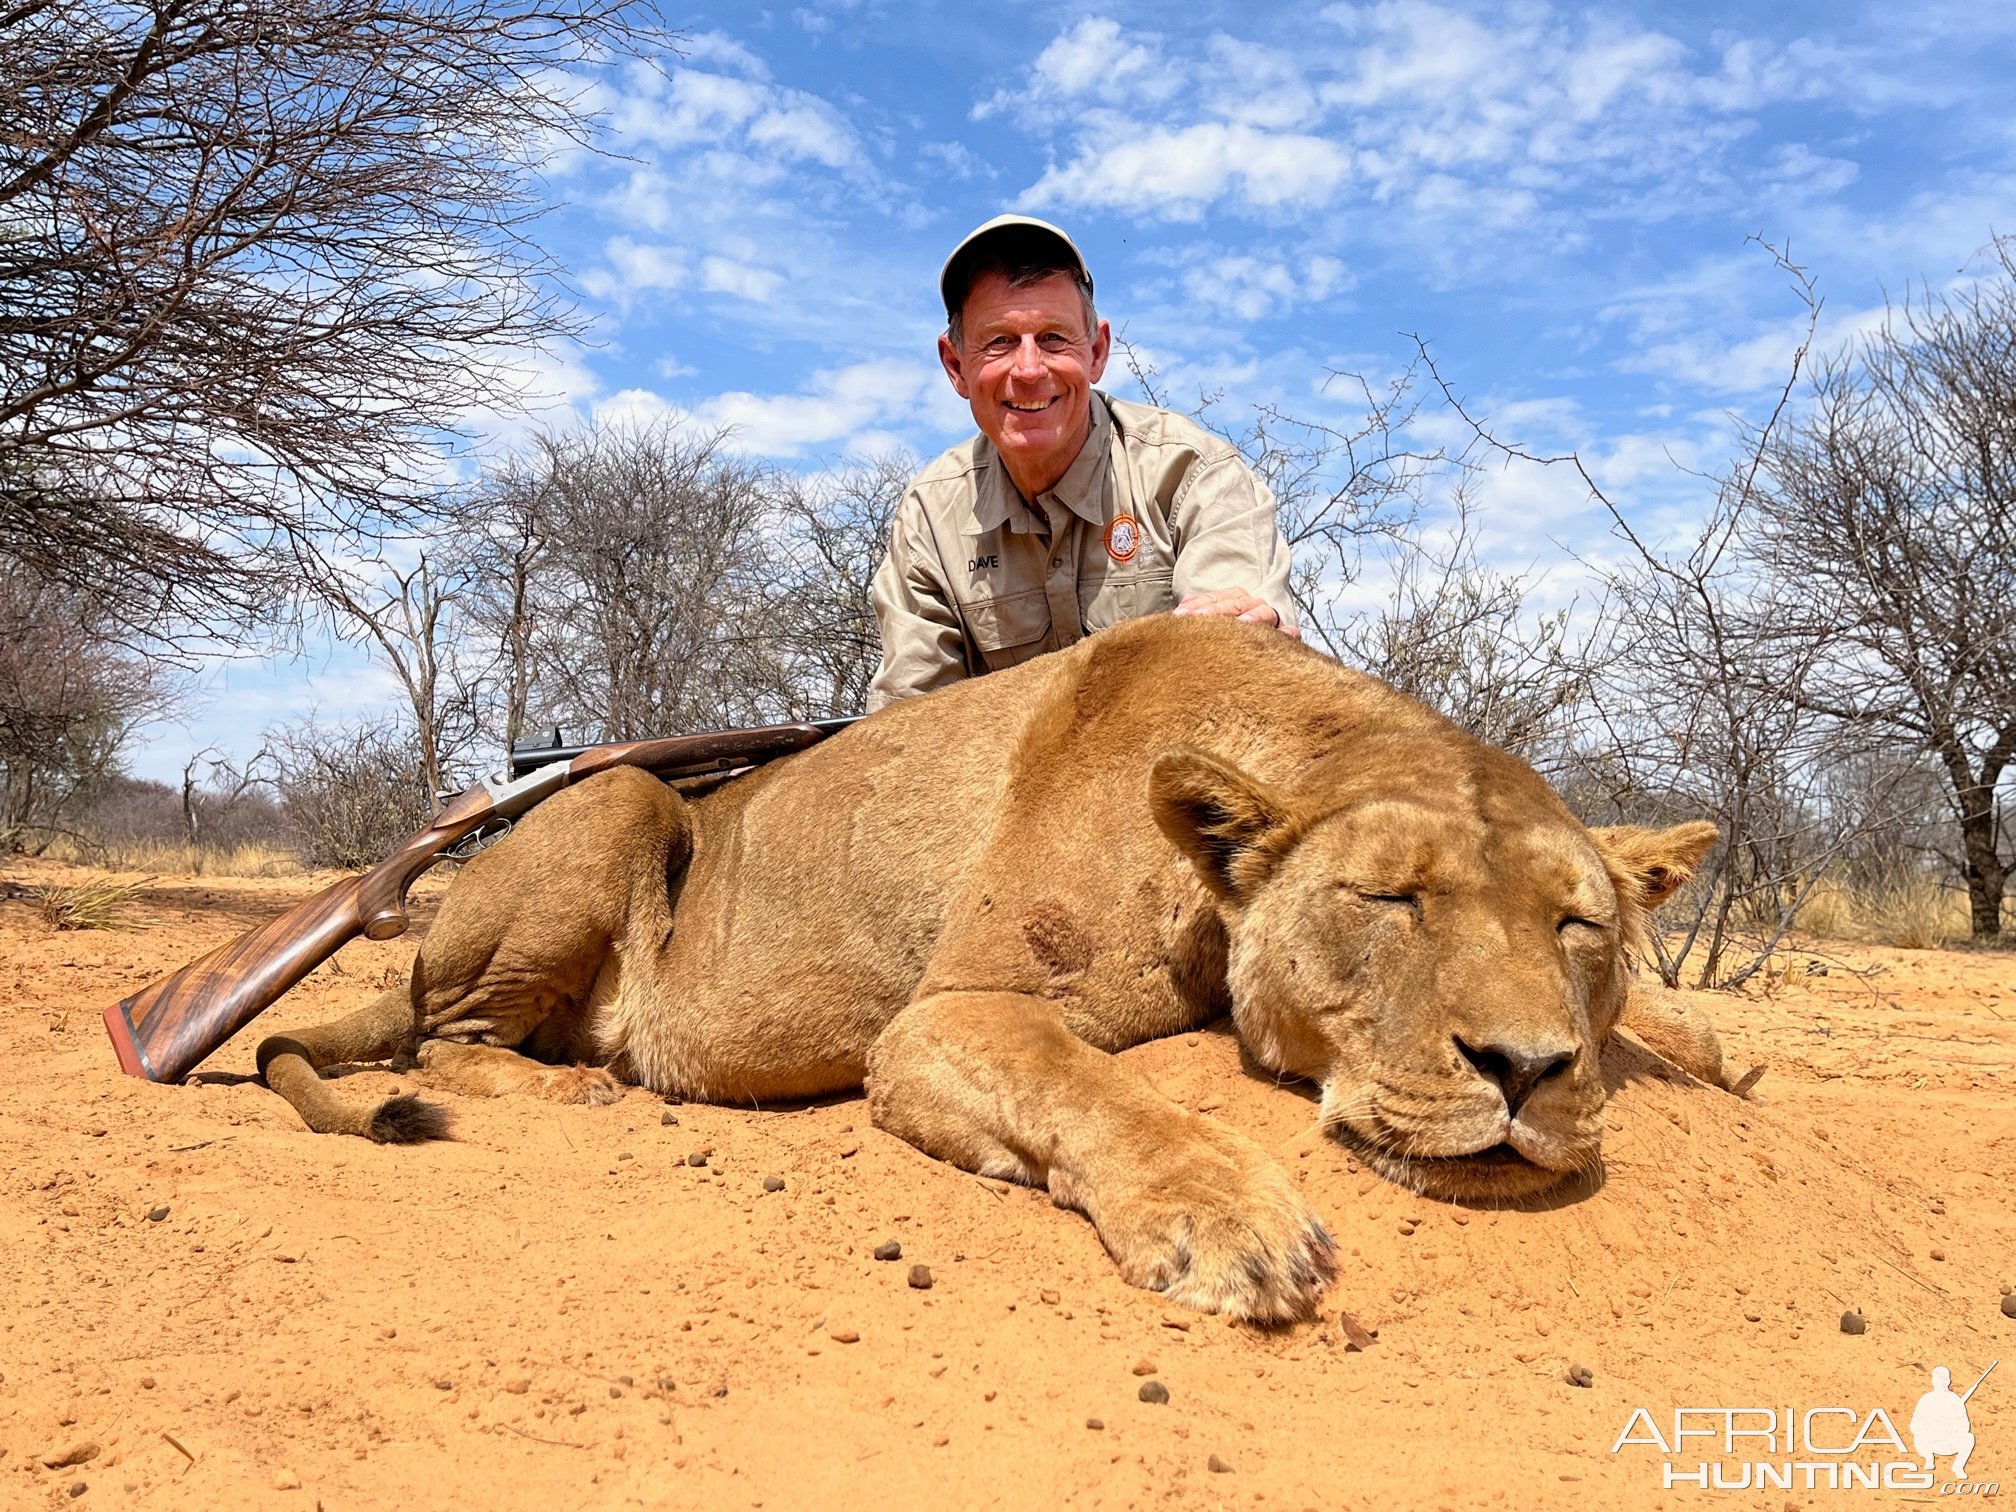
x,y
1029,359
1517,1071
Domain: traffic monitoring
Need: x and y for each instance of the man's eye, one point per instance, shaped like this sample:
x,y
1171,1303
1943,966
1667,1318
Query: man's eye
x,y
999,346
1054,341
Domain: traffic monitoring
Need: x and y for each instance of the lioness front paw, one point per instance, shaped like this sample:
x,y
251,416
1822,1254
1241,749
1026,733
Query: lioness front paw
x,y
1216,1225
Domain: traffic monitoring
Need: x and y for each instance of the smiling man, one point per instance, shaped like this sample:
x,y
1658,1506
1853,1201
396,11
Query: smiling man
x,y
1071,510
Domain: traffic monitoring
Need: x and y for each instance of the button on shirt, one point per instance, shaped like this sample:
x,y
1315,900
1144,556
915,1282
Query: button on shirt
x,y
1154,508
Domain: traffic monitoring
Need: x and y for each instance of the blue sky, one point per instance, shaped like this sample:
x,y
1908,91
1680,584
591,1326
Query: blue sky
x,y
1557,198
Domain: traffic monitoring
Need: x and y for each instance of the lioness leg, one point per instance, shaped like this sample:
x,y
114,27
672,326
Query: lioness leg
x,y
512,960
1676,1026
291,1065
995,1083
491,1070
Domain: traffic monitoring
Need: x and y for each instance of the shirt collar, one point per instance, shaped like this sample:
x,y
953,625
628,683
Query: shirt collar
x,y
1000,501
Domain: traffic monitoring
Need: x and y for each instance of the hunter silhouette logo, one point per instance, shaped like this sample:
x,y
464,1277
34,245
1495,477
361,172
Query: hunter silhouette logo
x,y
1939,1423
1816,1448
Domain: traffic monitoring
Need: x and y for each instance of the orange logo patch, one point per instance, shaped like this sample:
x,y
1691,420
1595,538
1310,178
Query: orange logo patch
x,y
1123,538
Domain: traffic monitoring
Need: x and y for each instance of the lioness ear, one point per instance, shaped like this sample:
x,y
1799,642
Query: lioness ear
x,y
1228,824
1654,864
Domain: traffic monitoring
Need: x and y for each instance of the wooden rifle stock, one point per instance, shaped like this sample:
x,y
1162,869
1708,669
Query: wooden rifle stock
x,y
163,1032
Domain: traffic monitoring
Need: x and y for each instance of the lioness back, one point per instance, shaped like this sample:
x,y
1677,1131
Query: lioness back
x,y
820,888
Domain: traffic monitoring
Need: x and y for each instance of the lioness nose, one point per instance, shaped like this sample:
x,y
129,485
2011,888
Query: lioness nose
x,y
1515,1070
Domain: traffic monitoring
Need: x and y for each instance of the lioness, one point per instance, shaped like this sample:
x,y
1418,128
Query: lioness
x,y
972,899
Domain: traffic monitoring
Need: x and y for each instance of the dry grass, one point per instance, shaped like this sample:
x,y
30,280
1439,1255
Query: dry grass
x,y
179,858
1918,918
1830,911
1914,914
101,903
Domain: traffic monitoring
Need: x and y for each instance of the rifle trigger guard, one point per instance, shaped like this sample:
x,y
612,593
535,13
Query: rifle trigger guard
x,y
480,838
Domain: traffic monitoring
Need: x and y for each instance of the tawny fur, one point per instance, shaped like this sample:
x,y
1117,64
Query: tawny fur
x,y
971,899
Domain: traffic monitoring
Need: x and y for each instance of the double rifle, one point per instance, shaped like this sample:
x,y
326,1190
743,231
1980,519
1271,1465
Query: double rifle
x,y
164,1031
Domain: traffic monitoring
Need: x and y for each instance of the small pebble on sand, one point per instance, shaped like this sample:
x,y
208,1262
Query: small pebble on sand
x,y
1851,1323
1048,1296
77,1489
155,1215
844,1335
1097,1425
1144,1367
1581,1375
669,1119
1154,1391
696,1160
1938,1254
920,1277
2009,1305
888,1249
1218,1466
773,1183
286,1480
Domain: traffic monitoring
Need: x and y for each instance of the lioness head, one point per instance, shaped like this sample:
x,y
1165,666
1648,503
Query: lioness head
x,y
1424,929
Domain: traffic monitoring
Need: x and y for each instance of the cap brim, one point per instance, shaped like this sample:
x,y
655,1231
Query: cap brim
x,y
954,278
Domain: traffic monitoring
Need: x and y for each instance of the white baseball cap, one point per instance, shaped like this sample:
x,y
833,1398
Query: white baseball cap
x,y
955,279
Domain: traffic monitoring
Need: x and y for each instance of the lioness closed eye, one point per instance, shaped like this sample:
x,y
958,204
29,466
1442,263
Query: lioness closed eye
x,y
970,900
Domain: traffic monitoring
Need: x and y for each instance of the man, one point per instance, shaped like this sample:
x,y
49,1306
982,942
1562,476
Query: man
x,y
1071,510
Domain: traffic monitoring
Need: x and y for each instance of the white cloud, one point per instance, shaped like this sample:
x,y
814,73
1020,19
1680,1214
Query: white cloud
x,y
1177,172
842,409
1093,59
1466,122
719,48
1249,286
725,275
633,267
956,160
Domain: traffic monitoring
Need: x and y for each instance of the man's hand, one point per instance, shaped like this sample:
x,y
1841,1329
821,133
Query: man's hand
x,y
1236,603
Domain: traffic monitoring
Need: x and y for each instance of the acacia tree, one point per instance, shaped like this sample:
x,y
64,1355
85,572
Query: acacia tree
x,y
253,258
412,618
69,695
1461,638
1887,534
833,529
1341,485
644,562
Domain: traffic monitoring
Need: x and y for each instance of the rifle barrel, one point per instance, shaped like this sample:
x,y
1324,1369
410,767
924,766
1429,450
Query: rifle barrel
x,y
529,758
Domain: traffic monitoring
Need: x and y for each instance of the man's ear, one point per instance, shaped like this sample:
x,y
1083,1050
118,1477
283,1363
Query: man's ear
x,y
1649,866
1102,349
953,363
1231,826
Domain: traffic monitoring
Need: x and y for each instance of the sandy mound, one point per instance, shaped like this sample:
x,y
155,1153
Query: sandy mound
x,y
559,1309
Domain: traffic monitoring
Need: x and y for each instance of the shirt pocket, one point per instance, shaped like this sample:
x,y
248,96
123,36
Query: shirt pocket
x,y
1009,629
1152,592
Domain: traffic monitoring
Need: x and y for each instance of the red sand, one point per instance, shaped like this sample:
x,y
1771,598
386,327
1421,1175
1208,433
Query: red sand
x,y
555,1310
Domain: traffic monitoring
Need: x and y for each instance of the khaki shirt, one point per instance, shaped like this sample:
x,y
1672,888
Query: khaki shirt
x,y
1154,508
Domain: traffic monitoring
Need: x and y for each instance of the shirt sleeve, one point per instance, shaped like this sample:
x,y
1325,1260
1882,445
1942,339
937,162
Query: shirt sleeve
x,y
1227,536
923,642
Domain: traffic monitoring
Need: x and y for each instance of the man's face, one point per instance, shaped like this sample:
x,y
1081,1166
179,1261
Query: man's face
x,y
1026,365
